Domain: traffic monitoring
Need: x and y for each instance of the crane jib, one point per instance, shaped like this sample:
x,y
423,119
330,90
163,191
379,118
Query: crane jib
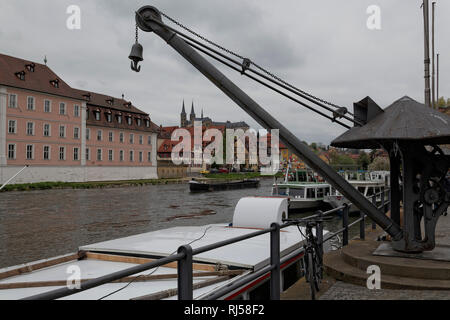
x,y
145,18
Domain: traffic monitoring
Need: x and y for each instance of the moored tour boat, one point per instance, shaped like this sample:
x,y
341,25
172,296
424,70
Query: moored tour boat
x,y
304,189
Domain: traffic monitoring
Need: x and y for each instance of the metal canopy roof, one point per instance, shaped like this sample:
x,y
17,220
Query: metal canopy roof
x,y
405,119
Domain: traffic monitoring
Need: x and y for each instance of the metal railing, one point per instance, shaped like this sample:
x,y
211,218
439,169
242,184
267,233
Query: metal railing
x,y
185,257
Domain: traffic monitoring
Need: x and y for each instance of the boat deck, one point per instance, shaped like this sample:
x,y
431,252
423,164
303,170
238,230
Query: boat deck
x,y
212,269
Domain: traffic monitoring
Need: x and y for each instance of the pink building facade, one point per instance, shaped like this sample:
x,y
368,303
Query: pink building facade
x,y
65,134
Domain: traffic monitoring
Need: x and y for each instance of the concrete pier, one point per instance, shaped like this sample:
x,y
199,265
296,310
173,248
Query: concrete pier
x,y
401,278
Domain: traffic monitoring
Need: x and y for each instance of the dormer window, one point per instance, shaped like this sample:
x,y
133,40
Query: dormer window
x,y
55,83
147,123
119,118
129,120
108,116
87,96
20,75
30,67
97,115
138,121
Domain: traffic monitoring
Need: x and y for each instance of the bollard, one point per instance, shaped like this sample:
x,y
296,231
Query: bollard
x,y
275,274
185,288
345,224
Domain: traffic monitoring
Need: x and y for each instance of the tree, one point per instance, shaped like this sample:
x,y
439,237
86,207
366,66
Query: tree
x,y
337,159
441,102
379,164
363,160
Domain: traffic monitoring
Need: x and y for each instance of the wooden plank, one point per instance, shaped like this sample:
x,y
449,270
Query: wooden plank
x,y
137,260
40,265
141,278
173,292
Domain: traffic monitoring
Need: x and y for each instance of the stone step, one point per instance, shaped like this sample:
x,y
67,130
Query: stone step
x,y
359,255
336,266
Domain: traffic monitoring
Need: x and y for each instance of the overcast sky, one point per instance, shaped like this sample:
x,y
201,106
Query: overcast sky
x,y
321,46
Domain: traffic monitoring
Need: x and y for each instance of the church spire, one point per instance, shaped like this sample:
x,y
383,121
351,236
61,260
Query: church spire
x,y
183,111
192,108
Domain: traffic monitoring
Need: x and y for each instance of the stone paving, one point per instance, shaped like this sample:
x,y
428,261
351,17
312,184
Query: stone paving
x,y
345,291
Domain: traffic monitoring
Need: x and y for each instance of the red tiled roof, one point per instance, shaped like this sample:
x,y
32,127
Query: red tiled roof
x,y
39,80
101,100
40,77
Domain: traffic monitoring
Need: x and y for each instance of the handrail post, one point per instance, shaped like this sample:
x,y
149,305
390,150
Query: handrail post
x,y
319,232
185,288
319,235
383,202
345,224
275,274
374,202
362,226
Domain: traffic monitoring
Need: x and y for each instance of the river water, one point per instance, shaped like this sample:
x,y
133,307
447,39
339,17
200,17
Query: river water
x,y
42,224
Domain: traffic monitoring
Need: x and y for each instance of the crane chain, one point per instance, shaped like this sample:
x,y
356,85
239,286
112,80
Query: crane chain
x,y
253,63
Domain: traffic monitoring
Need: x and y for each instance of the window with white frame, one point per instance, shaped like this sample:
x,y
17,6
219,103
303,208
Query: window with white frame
x,y
88,134
111,136
141,139
62,108
88,155
131,155
30,152
76,133
149,140
131,138
76,155
46,130
11,151
97,115
119,119
141,156
12,101
110,155
149,156
138,121
12,126
47,106
121,137
99,154
62,153
30,128
30,103
46,153
99,135
130,121
109,117
121,155
62,131
76,110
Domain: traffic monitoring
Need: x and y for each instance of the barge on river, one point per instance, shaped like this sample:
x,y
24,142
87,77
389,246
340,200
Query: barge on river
x,y
197,186
212,270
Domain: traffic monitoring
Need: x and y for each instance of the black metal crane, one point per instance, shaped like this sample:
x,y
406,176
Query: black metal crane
x,y
149,19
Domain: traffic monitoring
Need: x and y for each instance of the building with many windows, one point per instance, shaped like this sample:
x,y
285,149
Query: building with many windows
x,y
66,134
